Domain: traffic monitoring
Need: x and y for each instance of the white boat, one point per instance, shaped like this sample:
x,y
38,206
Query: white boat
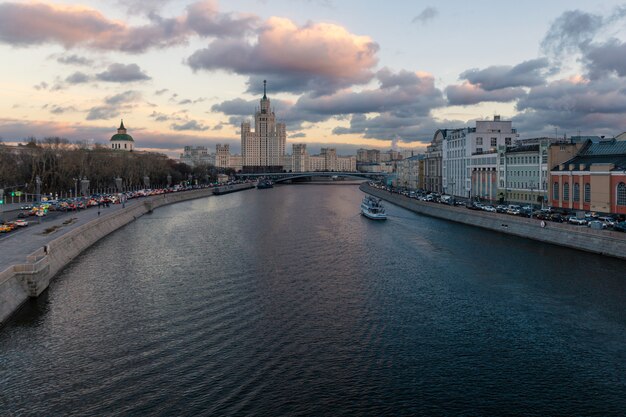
x,y
372,208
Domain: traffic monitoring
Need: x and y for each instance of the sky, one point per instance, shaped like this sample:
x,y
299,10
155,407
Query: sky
x,y
340,73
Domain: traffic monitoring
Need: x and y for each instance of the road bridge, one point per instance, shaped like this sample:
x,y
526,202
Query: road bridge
x,y
289,176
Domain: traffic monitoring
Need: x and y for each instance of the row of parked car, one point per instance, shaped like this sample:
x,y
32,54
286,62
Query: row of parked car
x,y
592,220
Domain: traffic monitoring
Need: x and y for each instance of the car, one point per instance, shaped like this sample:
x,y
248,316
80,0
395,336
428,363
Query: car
x,y
576,221
527,208
22,215
501,208
556,217
609,221
490,209
620,227
473,206
596,224
21,223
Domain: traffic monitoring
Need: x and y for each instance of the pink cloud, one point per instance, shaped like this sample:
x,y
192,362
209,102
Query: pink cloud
x,y
24,24
319,57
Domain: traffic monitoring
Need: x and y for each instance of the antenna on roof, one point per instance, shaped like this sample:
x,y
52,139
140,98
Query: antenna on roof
x,y
264,89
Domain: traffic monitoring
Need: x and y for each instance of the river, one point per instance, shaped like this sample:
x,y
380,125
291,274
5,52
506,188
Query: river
x,y
287,302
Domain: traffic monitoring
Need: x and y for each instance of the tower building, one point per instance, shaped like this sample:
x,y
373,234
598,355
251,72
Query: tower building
x,y
264,148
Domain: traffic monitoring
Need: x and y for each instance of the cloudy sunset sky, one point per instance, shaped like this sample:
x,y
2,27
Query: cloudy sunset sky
x,y
344,73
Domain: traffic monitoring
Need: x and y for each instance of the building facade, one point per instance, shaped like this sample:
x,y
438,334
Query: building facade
x,y
433,163
222,156
263,149
410,172
593,180
299,158
469,158
523,172
197,155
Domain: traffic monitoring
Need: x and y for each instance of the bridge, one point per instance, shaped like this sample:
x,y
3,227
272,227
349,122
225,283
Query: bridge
x,y
288,176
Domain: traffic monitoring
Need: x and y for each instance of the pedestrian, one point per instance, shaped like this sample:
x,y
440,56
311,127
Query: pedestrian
x,y
98,211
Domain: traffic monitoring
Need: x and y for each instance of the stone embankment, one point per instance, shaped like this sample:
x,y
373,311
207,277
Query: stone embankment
x,y
19,282
604,242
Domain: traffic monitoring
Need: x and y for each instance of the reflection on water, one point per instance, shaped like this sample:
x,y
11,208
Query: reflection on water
x,y
287,302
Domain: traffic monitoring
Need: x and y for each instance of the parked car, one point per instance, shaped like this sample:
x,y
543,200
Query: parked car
x,y
490,209
501,208
596,224
21,223
609,221
578,222
557,217
620,227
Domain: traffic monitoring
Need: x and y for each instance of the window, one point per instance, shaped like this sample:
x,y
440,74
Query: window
x,y
507,141
479,150
587,193
494,142
576,192
566,191
555,191
621,194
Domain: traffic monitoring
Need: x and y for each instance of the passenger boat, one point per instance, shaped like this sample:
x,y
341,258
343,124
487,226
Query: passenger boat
x,y
264,183
372,208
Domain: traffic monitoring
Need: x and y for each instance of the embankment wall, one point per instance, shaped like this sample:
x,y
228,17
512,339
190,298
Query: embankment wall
x,y
603,242
19,282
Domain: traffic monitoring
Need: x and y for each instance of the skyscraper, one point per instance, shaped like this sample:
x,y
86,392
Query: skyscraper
x,y
263,149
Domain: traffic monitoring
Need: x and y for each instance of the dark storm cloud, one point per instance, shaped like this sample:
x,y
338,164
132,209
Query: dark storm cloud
x,y
426,15
122,73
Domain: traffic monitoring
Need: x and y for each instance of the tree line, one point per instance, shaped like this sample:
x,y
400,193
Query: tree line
x,y
59,163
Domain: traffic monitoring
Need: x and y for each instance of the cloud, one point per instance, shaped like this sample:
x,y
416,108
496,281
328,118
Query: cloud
x,y
575,103
189,125
297,135
467,93
573,30
605,59
527,74
205,20
426,15
74,60
318,57
120,73
60,110
26,24
162,91
113,105
77,78
41,86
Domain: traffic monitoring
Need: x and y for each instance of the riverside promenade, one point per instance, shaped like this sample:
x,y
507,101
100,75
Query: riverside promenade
x,y
31,257
17,245
604,242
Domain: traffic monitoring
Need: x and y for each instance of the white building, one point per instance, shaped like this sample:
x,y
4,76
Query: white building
x,y
408,171
299,158
197,155
469,158
222,156
263,150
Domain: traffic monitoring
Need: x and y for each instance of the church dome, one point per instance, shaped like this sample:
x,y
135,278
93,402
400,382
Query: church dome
x,y
121,134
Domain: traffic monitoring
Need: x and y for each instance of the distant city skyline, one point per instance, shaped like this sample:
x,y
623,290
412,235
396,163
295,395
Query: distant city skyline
x,y
341,74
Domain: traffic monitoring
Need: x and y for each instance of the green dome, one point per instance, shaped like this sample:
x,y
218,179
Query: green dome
x,y
122,136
